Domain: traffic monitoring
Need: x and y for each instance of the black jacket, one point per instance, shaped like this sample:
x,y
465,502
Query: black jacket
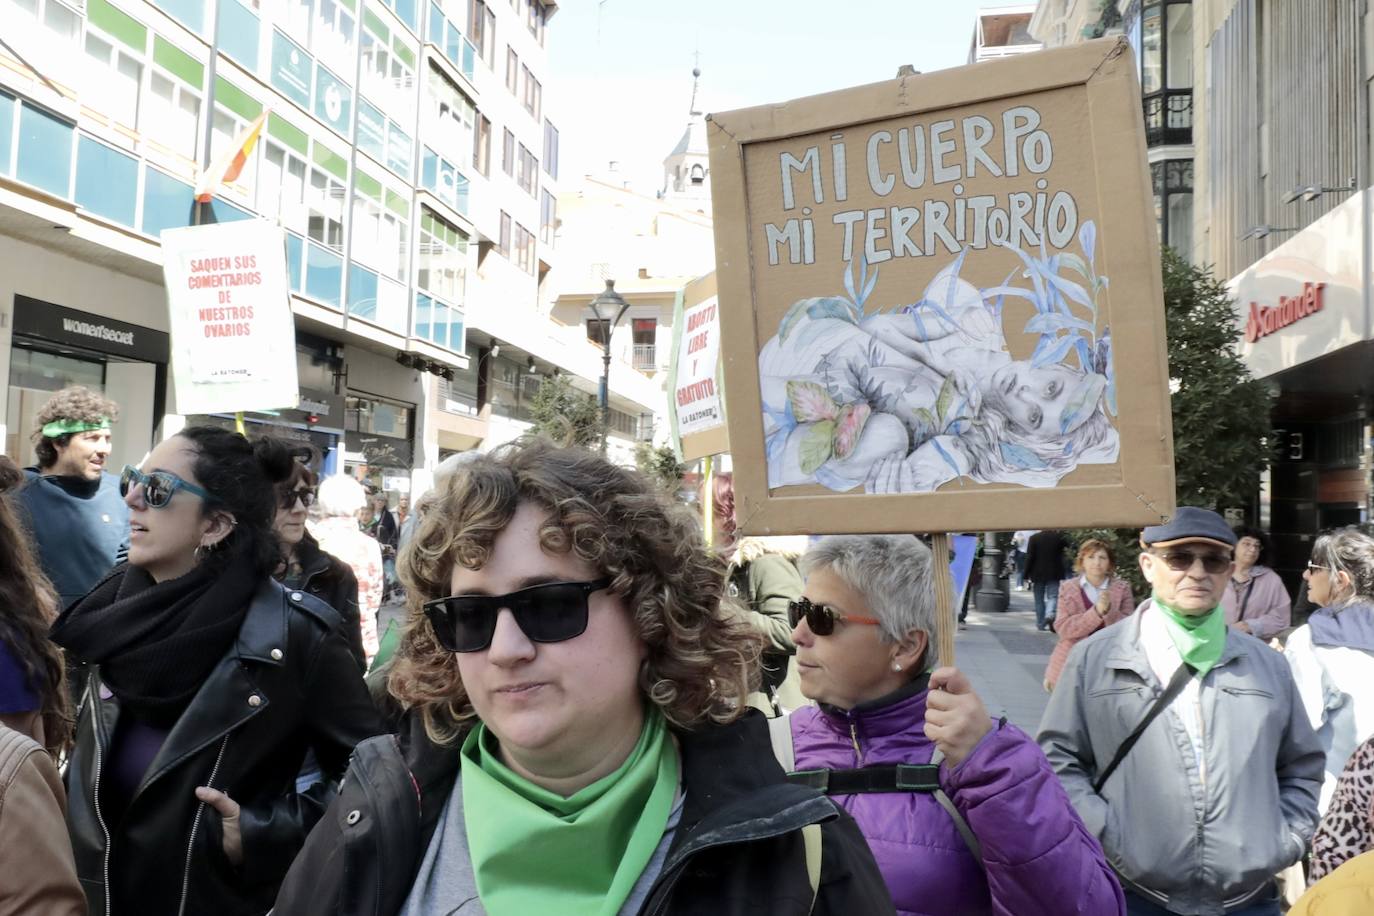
x,y
1045,556
332,581
287,683
738,848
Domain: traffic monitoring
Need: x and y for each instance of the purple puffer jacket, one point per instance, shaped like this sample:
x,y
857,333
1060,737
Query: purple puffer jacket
x,y
1040,860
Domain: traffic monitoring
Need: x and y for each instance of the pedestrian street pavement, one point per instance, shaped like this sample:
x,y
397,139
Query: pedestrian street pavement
x,y
1005,657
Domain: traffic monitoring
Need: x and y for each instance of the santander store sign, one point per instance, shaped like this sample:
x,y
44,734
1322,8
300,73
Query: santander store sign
x,y
1265,320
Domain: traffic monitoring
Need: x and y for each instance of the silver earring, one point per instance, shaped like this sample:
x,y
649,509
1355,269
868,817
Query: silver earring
x,y
896,666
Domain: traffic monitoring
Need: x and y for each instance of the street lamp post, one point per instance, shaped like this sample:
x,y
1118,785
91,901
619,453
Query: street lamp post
x,y
608,300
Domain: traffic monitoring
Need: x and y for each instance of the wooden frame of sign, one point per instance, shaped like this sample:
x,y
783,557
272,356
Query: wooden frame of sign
x,y
715,440
941,302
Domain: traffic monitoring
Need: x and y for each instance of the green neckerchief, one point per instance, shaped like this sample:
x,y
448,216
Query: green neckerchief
x,y
534,851
1199,639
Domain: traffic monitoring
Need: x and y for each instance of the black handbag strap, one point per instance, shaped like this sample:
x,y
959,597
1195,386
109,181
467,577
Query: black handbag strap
x,y
1176,684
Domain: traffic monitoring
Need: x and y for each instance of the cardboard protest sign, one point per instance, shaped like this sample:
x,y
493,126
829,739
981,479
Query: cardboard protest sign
x,y
941,303
233,337
696,409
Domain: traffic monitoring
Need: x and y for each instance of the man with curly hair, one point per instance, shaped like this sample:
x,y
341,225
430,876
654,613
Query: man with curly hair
x,y
71,505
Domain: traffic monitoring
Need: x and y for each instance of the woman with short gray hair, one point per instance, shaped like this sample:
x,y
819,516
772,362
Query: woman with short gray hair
x,y
989,831
1332,655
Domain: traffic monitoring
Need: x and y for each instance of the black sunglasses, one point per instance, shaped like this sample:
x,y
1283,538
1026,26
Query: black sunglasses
x,y
1183,560
821,618
545,613
287,500
158,487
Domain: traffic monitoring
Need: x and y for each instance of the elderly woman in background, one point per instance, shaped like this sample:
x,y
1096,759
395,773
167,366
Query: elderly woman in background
x,y
963,812
1332,655
1256,601
341,499
1096,599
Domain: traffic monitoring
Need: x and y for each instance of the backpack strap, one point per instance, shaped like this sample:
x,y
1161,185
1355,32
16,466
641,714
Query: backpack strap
x,y
1176,684
944,801
780,734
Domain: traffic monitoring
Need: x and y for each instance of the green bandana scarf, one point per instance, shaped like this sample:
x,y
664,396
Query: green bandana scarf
x,y
534,851
63,427
1200,640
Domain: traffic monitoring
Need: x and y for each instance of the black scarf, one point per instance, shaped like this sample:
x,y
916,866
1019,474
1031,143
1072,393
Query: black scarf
x,y
156,642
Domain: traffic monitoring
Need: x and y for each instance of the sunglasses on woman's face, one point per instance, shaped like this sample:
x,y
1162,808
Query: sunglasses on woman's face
x,y
545,613
1183,560
158,487
821,618
307,497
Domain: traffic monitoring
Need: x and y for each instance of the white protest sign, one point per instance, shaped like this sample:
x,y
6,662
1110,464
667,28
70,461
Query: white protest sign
x,y
696,397
233,337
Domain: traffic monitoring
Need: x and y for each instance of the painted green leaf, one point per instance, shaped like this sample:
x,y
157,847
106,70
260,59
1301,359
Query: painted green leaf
x,y
793,315
946,398
817,444
810,402
849,427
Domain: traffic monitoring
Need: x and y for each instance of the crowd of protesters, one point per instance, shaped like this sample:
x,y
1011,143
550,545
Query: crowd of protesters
x,y
590,710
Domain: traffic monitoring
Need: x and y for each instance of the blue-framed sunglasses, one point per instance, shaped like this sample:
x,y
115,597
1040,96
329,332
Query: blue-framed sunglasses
x,y
158,487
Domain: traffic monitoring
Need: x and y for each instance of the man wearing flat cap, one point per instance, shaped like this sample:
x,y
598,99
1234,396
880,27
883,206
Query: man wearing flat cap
x,y
1181,741
70,503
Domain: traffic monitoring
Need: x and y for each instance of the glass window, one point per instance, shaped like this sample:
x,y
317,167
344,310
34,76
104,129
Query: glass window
x,y
443,258
295,260
171,113
225,132
113,78
1179,45
548,217
324,202
333,101
323,274
221,211
281,192
508,153
295,18
362,292
400,150
291,68
528,174
551,150
445,181
166,202
334,38
407,11
45,151
512,70
371,131
1151,56
239,33
503,244
380,235
481,151
534,93
106,181
190,13
62,19
7,108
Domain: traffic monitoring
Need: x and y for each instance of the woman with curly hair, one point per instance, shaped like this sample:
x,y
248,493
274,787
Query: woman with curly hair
x,y
576,737
33,693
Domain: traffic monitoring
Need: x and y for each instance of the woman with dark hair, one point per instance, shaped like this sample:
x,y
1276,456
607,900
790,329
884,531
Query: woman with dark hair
x,y
206,683
1256,601
576,735
33,692
305,566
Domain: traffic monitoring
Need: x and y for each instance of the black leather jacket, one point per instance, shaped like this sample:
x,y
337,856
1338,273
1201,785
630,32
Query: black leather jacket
x,y
328,578
738,849
288,683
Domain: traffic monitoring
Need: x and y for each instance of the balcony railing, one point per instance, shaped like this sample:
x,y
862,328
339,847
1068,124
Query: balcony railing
x,y
1169,117
646,357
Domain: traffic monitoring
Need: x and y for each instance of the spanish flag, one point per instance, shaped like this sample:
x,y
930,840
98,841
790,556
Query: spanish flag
x,y
230,163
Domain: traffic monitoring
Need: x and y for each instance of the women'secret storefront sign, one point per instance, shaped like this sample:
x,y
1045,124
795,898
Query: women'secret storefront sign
x,y
941,305
233,337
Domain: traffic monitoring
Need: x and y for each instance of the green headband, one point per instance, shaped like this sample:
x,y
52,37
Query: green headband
x,y
63,427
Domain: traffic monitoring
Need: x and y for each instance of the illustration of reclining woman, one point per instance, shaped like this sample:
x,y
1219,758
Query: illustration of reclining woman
x,y
907,400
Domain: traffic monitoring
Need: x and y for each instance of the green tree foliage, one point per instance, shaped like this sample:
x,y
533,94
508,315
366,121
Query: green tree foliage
x,y
566,415
1220,413
661,466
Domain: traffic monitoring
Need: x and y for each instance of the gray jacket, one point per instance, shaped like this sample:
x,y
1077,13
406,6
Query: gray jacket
x,y
1195,849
